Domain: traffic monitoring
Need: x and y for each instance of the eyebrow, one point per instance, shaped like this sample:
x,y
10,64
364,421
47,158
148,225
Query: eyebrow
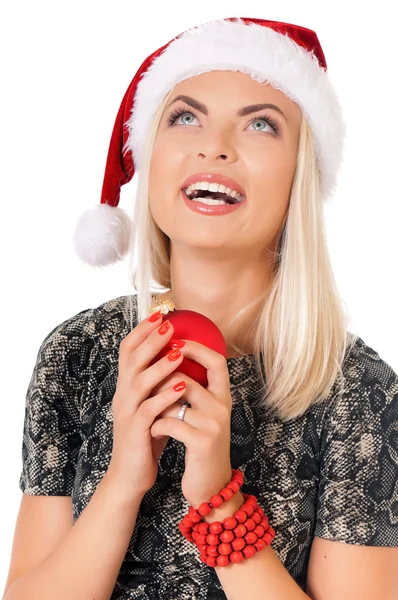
x,y
245,110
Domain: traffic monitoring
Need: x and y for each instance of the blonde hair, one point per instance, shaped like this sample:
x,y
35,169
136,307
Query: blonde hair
x,y
300,335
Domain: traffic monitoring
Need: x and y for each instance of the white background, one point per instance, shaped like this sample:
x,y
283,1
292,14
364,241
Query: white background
x,y
65,68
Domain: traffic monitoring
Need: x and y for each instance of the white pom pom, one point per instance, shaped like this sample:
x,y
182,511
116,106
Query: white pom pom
x,y
102,235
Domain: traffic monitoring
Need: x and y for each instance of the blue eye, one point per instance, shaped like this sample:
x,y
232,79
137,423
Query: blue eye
x,y
173,116
273,124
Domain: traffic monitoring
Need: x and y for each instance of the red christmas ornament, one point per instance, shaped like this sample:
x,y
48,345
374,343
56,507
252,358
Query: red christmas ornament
x,y
191,325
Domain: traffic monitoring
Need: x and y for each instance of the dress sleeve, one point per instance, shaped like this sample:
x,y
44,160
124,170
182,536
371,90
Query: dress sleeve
x,y
51,429
358,489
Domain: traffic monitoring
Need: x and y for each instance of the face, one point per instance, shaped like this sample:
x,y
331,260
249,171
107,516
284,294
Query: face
x,y
259,155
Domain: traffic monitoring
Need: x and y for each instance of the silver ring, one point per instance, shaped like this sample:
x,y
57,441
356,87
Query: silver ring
x,y
182,411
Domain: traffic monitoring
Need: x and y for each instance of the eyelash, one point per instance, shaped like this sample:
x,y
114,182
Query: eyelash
x,y
173,116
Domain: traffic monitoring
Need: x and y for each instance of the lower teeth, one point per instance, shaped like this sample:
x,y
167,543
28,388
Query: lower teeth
x,y
209,200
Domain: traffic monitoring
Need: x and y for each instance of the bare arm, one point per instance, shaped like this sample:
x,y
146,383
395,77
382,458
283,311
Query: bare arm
x,y
86,564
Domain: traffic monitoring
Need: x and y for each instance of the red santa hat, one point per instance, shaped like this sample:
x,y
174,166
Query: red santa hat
x,y
288,56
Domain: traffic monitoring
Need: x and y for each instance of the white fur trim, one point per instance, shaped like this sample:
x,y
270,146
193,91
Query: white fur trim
x,y
102,235
263,54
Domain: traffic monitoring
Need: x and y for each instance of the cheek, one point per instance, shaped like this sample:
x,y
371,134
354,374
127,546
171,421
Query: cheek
x,y
162,183
271,167
165,168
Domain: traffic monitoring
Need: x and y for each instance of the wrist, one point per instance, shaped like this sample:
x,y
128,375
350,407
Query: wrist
x,y
227,509
124,497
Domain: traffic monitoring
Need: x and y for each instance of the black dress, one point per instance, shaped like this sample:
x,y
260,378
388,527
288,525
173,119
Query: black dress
x,y
332,473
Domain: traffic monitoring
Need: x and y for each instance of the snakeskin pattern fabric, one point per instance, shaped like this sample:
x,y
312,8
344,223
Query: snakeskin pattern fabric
x,y
331,473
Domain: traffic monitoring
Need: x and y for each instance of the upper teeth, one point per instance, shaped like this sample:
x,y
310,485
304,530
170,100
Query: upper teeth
x,y
213,187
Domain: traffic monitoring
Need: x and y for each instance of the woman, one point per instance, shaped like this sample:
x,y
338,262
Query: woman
x,y
301,412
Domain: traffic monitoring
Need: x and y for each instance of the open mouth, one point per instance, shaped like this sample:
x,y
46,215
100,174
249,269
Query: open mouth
x,y
212,197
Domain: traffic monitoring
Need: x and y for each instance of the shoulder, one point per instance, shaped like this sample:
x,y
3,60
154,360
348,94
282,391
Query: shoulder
x,y
91,322
68,347
369,388
358,454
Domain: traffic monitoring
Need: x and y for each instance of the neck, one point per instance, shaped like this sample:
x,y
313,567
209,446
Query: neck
x,y
220,290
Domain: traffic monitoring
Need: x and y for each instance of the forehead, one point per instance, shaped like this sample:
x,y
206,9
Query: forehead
x,y
239,88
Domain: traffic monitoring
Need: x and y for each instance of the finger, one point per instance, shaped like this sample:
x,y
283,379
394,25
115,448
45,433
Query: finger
x,y
140,333
214,362
136,353
139,386
200,398
152,407
195,418
179,430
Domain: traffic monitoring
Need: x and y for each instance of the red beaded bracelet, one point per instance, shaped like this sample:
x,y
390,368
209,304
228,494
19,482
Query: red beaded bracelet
x,y
236,537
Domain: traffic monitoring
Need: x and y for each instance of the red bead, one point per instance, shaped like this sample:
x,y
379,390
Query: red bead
x,y
264,522
195,516
240,530
211,561
237,475
250,538
261,511
203,528
226,493
260,544
225,548
236,557
238,543
212,550
250,524
233,485
216,527
222,560
200,538
203,558
189,538
195,535
183,528
204,509
238,480
267,537
251,500
216,501
187,522
256,517
240,516
230,523
227,536
271,530
248,508
249,551
259,531
212,539
202,548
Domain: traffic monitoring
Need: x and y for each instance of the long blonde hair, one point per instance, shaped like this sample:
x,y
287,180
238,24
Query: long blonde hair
x,y
300,335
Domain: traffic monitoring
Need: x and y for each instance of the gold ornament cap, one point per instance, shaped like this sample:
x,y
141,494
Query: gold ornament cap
x,y
164,303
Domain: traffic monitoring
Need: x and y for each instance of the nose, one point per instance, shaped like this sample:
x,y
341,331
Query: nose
x,y
217,146
223,156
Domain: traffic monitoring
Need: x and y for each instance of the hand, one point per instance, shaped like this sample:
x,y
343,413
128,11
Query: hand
x,y
134,462
206,429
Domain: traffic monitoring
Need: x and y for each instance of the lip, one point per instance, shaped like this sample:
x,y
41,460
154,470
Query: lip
x,y
214,178
215,210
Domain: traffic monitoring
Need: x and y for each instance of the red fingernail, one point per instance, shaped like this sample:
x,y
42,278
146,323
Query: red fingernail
x,y
177,343
178,387
174,354
164,328
155,316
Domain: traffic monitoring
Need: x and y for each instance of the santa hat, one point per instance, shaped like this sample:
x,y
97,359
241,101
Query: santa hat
x,y
290,57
